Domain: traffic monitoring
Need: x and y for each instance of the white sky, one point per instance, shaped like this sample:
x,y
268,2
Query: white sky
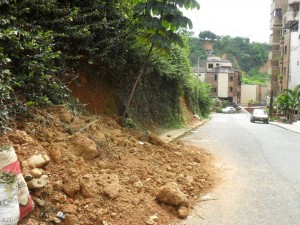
x,y
243,18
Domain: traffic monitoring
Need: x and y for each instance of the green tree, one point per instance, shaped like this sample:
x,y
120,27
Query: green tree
x,y
289,102
238,49
207,36
160,21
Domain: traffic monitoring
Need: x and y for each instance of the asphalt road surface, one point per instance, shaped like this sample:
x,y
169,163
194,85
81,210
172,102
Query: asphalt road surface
x,y
260,168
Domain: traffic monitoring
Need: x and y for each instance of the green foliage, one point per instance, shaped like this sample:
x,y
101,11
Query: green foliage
x,y
197,94
86,31
218,110
248,55
197,51
207,35
42,43
289,101
224,103
255,77
45,44
159,21
28,63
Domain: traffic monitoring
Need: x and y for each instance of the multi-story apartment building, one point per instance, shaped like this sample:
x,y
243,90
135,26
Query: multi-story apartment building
x,y
225,81
278,7
290,50
284,56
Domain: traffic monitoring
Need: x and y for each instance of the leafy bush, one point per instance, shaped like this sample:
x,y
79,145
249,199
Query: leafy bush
x,y
219,110
255,77
197,94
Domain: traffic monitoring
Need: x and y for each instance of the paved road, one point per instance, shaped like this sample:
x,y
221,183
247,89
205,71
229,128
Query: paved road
x,y
260,164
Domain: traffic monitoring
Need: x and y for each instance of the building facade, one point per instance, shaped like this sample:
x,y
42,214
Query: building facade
x,y
291,49
275,64
225,81
284,56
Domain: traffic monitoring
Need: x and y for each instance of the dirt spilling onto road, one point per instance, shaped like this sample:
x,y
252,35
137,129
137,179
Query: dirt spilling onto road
x,y
101,173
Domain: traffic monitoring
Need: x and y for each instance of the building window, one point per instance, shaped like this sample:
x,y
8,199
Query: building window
x,y
231,78
277,13
216,77
214,89
285,49
231,89
218,65
210,65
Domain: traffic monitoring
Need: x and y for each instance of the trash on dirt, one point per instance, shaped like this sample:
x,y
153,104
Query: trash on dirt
x,y
9,198
207,198
61,215
38,182
10,164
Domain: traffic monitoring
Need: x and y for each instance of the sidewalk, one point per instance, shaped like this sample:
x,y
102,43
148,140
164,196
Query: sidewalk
x,y
173,135
295,127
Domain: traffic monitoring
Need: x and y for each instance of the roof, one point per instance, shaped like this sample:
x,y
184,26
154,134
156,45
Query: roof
x,y
201,70
221,70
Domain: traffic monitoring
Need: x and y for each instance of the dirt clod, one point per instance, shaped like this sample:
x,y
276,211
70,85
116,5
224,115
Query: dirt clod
x,y
171,195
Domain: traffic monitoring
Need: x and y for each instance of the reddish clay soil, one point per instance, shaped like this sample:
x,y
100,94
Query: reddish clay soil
x,y
101,173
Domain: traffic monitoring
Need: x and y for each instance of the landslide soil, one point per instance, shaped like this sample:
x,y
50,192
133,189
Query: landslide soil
x,y
117,184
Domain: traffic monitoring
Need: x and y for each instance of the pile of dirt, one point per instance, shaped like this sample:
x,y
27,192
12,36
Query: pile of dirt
x,y
101,173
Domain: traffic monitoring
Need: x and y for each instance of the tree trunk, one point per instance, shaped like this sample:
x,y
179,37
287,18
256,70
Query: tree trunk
x,y
140,75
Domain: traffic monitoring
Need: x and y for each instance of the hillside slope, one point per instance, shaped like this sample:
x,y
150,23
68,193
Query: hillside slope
x,y
101,173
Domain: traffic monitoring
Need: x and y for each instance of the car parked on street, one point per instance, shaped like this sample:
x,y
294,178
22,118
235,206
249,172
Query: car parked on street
x,y
259,115
229,109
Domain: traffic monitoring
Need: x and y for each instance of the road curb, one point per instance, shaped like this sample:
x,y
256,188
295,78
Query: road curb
x,y
286,128
174,135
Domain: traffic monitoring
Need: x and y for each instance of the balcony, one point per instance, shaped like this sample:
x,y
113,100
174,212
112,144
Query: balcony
x,y
290,19
292,2
277,4
273,71
274,55
276,22
274,39
274,63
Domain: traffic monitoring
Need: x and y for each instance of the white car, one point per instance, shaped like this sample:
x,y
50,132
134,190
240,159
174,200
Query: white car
x,y
259,115
229,109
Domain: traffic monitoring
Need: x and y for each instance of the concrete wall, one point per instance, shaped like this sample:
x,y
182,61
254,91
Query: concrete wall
x,y
223,85
226,64
264,91
253,92
249,92
201,77
294,72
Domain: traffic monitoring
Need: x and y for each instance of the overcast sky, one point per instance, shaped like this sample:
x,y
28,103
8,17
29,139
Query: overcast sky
x,y
243,18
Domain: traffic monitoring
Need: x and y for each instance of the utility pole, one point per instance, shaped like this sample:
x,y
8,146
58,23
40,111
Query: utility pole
x,y
197,85
271,97
271,102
